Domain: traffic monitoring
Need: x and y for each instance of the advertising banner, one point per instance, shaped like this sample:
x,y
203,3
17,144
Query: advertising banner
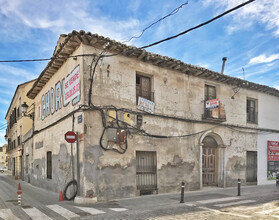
x,y
145,105
212,104
71,85
272,159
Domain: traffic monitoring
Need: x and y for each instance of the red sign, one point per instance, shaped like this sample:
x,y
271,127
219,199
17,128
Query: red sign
x,y
212,104
70,137
273,150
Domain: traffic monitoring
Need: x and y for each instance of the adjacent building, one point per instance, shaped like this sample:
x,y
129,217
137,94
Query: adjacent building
x,y
3,157
144,123
17,126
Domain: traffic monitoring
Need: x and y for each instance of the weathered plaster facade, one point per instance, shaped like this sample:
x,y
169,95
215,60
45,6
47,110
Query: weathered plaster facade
x,y
17,127
179,97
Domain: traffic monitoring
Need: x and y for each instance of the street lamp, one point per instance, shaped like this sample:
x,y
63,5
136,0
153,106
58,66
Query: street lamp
x,y
6,137
24,108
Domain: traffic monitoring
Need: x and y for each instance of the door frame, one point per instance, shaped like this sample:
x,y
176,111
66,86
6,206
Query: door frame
x,y
215,164
255,153
221,155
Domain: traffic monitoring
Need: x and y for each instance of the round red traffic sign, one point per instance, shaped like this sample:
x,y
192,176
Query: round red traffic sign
x,y
70,137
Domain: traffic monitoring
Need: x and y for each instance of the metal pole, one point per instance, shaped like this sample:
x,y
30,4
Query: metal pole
x,y
78,168
72,157
238,187
182,192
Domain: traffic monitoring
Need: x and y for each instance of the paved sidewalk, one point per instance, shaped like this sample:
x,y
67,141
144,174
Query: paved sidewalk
x,y
209,203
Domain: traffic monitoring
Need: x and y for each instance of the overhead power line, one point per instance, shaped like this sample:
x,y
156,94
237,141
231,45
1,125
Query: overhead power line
x,y
200,25
18,61
152,44
173,12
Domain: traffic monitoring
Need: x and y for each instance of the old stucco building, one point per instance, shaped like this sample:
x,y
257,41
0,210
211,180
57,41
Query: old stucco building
x,y
144,122
17,127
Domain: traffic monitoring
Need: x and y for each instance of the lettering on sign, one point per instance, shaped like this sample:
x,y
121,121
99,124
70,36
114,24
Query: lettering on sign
x,y
212,104
61,94
272,159
146,105
71,85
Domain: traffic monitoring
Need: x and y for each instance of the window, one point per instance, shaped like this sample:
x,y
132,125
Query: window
x,y
49,165
143,87
210,92
252,115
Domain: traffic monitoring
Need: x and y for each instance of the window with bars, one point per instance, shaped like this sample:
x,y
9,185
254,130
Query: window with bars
x,y
252,115
143,87
49,165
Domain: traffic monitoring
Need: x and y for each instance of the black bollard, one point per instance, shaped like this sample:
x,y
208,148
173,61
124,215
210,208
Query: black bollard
x,y
238,187
182,193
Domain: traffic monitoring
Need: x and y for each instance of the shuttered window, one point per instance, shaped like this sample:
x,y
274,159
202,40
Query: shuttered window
x,y
210,92
143,87
251,111
49,165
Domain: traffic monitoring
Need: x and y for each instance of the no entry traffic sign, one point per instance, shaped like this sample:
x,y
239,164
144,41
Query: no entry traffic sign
x,y
70,137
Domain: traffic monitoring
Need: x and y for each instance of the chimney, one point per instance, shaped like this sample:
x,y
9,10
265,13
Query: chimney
x,y
223,66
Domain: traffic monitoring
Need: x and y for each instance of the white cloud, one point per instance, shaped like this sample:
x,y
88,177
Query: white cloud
x,y
264,12
65,17
264,59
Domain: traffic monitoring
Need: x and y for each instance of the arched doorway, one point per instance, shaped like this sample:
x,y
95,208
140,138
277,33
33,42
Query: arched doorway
x,y
212,160
209,162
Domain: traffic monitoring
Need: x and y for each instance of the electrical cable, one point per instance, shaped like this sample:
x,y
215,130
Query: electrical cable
x,y
198,26
149,45
143,132
173,12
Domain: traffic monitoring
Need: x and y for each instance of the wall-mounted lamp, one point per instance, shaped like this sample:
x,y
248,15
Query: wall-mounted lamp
x,y
6,137
24,108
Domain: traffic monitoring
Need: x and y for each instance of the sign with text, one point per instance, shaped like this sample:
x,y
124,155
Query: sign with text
x,y
273,150
272,159
71,85
212,104
146,105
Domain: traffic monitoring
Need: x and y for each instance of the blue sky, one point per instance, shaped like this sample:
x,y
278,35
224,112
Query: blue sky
x,y
247,37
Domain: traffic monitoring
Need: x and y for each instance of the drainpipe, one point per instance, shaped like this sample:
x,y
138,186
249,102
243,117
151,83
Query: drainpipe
x,y
223,66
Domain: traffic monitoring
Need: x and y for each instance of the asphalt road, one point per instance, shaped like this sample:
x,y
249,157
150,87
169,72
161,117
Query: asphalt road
x,y
255,202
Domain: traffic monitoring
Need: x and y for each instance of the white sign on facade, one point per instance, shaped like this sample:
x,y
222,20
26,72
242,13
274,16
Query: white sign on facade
x,y
54,99
212,104
71,85
146,105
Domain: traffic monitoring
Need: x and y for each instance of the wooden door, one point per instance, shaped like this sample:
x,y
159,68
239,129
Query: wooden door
x,y
209,166
251,166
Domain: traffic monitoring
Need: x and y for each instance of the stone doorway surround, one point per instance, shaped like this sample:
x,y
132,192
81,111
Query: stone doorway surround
x,y
221,155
